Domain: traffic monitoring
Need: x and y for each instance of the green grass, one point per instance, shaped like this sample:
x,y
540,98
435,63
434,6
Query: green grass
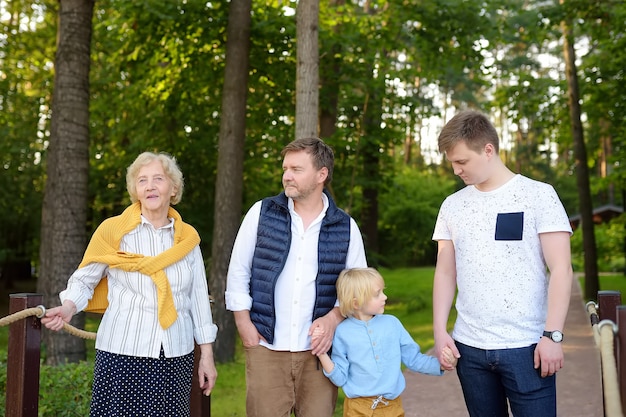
x,y
609,282
409,292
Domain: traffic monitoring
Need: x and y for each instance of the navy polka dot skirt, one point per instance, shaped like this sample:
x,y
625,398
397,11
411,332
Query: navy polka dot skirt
x,y
147,387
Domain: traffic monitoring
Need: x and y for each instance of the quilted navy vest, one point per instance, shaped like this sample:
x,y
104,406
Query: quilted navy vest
x,y
272,247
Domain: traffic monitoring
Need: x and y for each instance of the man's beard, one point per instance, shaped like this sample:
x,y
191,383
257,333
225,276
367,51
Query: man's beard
x,y
296,193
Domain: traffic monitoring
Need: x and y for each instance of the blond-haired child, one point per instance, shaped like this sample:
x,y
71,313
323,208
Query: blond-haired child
x,y
369,348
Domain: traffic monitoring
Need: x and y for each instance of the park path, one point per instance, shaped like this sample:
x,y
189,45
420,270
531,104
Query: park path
x,y
579,383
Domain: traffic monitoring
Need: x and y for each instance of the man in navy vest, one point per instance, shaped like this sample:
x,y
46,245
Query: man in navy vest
x,y
288,254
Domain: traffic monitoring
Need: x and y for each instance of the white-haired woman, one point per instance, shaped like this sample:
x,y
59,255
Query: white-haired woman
x,y
143,269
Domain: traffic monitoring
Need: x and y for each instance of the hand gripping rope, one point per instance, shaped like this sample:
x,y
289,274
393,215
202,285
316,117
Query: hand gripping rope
x,y
40,311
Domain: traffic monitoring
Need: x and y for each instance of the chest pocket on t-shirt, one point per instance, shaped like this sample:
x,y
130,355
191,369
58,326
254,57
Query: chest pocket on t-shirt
x,y
510,226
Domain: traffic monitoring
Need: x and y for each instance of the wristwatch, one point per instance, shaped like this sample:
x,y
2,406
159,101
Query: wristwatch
x,y
556,336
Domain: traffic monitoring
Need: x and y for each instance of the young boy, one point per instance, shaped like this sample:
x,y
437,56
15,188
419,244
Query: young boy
x,y
369,347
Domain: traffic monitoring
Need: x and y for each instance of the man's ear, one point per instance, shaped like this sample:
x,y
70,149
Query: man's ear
x,y
323,174
489,150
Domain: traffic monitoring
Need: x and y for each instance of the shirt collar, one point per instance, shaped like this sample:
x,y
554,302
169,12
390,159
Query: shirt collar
x,y
170,225
324,199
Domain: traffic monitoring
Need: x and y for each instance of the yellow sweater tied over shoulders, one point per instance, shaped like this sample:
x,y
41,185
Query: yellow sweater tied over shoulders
x,y
104,248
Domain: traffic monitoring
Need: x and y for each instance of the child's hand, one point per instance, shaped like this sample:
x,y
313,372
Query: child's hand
x,y
317,332
449,356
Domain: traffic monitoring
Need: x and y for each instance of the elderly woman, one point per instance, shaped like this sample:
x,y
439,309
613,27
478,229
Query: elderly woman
x,y
144,270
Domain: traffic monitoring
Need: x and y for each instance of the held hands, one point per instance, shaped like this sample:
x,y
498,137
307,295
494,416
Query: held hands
x,y
449,357
446,352
317,333
322,331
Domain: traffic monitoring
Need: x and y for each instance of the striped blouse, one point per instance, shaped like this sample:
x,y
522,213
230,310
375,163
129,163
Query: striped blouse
x,y
130,325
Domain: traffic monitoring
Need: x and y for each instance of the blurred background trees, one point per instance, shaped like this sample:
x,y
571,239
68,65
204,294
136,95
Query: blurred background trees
x,y
391,72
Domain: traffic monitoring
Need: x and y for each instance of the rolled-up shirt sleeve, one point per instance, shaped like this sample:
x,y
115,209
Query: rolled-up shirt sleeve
x,y
204,330
356,252
82,283
237,295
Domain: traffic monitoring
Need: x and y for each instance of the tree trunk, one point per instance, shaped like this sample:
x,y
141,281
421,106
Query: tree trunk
x,y
64,211
307,75
330,79
229,179
582,169
370,144
330,76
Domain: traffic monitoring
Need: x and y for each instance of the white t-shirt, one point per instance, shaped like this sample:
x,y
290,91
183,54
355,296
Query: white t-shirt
x,y
500,270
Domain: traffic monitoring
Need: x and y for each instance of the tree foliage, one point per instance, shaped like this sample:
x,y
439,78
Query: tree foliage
x,y
391,73
26,53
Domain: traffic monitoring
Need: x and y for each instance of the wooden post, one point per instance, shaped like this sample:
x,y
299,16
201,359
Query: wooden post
x,y
22,394
200,404
607,305
608,301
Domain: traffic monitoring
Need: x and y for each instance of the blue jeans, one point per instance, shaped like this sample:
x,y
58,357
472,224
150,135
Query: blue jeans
x,y
490,377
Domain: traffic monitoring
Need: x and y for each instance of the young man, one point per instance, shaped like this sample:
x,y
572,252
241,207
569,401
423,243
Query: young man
x,y
495,238
286,259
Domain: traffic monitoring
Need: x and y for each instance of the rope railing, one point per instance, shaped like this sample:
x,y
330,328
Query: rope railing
x,y
604,332
39,312
24,360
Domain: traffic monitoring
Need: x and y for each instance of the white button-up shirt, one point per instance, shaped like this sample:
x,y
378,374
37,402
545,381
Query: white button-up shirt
x,y
295,288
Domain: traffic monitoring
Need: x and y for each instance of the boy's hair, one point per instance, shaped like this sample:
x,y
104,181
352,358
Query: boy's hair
x,y
321,153
471,127
355,286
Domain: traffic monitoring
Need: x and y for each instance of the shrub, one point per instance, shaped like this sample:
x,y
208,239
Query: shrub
x,y
64,391
610,238
407,217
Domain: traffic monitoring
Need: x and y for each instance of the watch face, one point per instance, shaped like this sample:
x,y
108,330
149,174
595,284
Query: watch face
x,y
557,336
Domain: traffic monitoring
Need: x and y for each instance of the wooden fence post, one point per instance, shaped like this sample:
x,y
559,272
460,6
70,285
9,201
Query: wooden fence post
x,y
608,301
607,305
22,394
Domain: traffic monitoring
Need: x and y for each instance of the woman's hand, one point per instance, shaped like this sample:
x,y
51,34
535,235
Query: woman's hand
x,y
207,373
56,317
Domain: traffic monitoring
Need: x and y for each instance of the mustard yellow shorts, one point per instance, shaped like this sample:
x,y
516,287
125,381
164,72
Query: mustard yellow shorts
x,y
372,407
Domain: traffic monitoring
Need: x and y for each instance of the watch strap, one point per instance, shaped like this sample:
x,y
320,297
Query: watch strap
x,y
550,336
